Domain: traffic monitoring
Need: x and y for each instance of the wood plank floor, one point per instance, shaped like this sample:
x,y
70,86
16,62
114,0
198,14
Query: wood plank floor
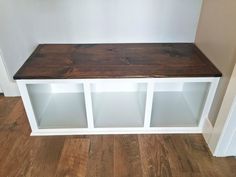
x,y
101,156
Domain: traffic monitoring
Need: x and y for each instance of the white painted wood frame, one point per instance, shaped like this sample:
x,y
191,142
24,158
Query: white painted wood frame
x,y
146,85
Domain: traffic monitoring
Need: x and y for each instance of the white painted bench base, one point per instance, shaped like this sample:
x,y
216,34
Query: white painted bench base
x,y
117,106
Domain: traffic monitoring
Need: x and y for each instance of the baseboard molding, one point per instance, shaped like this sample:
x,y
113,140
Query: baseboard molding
x,y
11,90
207,130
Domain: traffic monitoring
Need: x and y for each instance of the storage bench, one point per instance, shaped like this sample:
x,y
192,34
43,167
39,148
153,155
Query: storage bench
x,y
72,89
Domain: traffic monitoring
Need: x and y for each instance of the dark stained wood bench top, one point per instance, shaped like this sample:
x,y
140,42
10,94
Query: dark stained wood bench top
x,y
154,60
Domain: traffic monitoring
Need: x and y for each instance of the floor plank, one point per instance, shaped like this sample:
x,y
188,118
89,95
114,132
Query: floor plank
x,y
43,162
127,161
154,157
74,158
101,156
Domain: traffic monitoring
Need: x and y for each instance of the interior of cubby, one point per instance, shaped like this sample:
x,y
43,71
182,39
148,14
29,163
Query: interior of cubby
x,y
58,105
118,104
178,104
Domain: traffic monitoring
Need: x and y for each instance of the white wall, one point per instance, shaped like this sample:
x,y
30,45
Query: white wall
x,y
17,40
25,23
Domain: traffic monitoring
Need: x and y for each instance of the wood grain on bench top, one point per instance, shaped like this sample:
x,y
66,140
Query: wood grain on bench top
x,y
154,60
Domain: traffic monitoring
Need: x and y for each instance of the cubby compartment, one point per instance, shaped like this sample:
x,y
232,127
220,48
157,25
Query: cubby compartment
x,y
118,104
178,104
58,105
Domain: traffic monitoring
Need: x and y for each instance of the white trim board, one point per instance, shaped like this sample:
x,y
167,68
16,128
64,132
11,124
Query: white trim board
x,y
112,131
218,141
207,130
8,87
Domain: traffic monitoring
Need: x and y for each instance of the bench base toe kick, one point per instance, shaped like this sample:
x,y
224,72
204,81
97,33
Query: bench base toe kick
x,y
117,106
